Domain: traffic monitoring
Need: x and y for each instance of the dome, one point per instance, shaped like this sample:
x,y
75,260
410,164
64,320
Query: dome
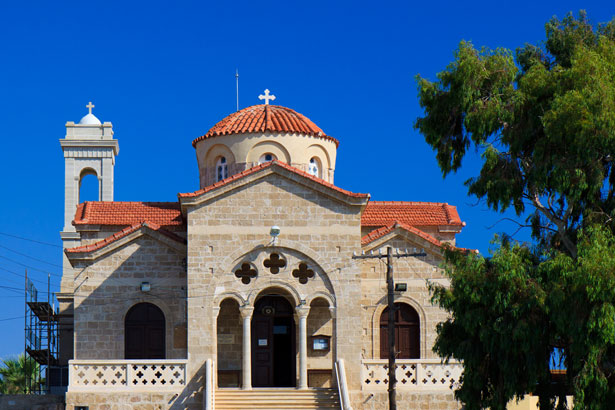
x,y
263,118
89,119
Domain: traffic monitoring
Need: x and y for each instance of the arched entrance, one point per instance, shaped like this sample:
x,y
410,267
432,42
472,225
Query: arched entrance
x,y
407,332
144,332
273,343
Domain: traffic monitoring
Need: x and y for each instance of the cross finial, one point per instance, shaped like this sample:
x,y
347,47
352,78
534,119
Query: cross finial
x,y
266,97
90,106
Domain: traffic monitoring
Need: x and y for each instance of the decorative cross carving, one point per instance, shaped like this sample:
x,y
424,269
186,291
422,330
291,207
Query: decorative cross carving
x,y
274,263
90,106
303,273
246,273
266,97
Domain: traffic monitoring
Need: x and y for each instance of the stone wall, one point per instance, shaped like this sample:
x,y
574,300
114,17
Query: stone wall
x,y
130,401
406,401
107,288
232,227
31,402
415,272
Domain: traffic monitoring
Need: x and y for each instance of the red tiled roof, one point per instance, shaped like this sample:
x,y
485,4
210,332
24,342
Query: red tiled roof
x,y
382,213
128,213
265,165
124,232
261,118
385,230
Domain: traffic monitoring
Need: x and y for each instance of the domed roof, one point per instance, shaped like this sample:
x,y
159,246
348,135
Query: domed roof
x,y
89,119
262,118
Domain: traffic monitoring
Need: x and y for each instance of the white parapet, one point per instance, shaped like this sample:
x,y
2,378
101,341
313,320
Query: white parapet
x,y
411,374
127,375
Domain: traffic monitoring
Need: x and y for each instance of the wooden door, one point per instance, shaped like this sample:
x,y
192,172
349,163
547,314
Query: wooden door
x,y
407,333
144,332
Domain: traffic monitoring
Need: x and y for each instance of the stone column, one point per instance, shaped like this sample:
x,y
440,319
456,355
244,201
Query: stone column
x,y
302,313
246,362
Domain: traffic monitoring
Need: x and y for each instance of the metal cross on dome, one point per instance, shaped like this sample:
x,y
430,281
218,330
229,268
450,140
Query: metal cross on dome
x,y
266,97
90,106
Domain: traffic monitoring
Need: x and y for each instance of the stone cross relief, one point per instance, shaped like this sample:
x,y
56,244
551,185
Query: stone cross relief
x,y
274,263
90,106
246,273
266,97
303,273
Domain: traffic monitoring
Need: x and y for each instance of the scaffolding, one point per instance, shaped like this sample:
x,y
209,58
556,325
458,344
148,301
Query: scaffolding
x,y
41,339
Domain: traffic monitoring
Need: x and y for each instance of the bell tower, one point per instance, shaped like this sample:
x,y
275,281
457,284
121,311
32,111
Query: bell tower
x,y
89,149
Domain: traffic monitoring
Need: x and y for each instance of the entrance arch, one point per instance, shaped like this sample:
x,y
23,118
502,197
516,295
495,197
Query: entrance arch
x,y
273,343
144,329
407,332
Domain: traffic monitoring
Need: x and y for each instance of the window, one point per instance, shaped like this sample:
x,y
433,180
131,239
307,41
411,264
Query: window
x,y
266,158
314,167
407,332
221,169
144,332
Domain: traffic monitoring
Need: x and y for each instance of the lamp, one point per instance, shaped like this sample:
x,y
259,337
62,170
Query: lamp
x,y
274,232
145,286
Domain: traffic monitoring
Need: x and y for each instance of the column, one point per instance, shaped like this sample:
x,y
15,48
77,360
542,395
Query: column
x,y
302,313
246,360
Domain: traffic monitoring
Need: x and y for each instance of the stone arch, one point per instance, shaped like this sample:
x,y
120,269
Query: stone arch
x,y
218,299
169,319
217,151
83,174
317,150
272,147
381,306
330,299
296,297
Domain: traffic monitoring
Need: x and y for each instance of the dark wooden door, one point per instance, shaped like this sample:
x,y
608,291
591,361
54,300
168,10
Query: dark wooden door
x,y
407,332
273,343
144,332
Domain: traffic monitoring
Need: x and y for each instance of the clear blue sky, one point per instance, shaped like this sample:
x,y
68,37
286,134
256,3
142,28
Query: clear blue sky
x,y
163,74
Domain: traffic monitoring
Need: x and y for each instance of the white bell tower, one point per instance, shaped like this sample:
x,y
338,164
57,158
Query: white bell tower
x,y
89,149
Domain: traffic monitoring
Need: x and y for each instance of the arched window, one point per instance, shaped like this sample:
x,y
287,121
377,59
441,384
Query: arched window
x,y
407,332
221,169
144,332
266,158
89,186
314,167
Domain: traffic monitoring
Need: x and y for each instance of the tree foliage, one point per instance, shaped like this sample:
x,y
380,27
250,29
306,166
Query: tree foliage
x,y
543,119
13,373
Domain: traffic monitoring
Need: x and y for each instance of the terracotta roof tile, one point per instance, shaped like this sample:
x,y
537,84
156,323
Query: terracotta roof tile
x,y
254,169
262,118
124,232
166,214
383,213
385,230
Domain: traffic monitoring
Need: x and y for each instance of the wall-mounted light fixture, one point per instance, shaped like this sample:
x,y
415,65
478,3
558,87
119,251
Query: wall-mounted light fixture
x,y
401,287
146,287
274,232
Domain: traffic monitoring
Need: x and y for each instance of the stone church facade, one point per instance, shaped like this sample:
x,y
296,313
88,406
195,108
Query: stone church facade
x,y
252,289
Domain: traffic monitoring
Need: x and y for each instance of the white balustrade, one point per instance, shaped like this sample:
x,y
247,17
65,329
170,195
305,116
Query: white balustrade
x,y
127,375
411,374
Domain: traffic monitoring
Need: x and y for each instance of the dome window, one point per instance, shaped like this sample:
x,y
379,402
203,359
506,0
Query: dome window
x,y
221,169
314,167
266,158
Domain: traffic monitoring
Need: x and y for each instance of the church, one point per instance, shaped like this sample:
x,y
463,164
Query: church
x,y
254,292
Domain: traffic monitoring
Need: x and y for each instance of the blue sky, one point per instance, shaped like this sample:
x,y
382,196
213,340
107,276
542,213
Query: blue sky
x,y
163,74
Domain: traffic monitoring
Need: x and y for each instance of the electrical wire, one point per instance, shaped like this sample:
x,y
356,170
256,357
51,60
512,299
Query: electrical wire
x,y
30,267
31,240
30,257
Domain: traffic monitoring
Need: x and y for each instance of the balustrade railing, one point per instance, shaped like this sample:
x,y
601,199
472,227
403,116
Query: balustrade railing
x,y
411,374
127,375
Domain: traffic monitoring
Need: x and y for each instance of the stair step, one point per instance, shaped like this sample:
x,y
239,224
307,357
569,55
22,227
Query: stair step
x,y
276,399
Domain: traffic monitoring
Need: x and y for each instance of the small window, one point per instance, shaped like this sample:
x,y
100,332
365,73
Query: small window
x,y
314,167
266,158
221,169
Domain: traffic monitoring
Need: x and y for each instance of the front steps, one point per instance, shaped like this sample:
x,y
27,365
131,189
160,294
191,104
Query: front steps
x,y
276,399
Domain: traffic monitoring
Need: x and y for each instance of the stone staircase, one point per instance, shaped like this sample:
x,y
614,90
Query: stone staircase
x,y
276,399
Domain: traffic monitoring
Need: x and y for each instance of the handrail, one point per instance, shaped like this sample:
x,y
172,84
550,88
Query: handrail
x,y
208,396
342,388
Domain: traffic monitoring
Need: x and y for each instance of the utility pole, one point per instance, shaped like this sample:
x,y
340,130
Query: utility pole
x,y
391,306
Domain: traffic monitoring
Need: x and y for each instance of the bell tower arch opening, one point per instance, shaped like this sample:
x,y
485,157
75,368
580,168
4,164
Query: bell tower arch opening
x,y
89,186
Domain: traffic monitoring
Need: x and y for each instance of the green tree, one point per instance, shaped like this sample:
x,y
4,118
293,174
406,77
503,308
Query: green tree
x,y
13,375
543,119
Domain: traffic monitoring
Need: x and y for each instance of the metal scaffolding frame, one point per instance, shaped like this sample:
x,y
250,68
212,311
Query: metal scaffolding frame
x,y
40,339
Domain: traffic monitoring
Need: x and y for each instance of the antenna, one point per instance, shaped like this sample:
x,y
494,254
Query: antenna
x,y
237,86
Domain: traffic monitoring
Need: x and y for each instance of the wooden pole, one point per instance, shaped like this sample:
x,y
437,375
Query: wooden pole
x,y
391,329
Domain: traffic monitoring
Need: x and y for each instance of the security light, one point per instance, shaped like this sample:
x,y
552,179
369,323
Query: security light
x,y
274,232
401,287
145,287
